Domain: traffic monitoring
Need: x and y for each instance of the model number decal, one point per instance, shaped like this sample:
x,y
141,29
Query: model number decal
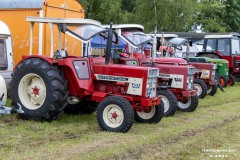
x,y
112,78
178,79
164,75
198,70
135,85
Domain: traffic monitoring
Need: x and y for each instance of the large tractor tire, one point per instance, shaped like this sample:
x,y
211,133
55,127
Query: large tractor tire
x,y
40,89
223,80
169,102
212,90
201,88
189,105
115,114
153,115
83,107
231,80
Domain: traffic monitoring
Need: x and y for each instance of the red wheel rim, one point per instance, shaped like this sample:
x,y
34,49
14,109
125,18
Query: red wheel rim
x,y
222,82
229,82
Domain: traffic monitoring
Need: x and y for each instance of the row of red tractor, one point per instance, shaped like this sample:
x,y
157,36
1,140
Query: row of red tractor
x,y
128,82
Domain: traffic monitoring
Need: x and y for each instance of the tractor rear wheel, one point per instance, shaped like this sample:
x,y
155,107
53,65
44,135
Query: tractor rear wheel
x,y
201,88
115,114
40,89
231,80
212,90
153,115
169,102
189,105
83,107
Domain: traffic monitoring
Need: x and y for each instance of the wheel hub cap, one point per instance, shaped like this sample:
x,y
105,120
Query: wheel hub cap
x,y
32,91
147,114
184,104
35,91
166,103
113,116
198,88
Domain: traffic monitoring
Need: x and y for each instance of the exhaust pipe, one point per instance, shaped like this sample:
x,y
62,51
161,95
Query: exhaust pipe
x,y
109,44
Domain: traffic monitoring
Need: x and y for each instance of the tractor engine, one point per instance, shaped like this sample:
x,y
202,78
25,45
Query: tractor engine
x,y
118,88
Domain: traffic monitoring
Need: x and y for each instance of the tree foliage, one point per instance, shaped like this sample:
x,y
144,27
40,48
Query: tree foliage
x,y
210,17
232,15
171,15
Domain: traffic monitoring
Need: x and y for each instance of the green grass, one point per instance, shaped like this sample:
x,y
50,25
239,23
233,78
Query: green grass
x,y
214,125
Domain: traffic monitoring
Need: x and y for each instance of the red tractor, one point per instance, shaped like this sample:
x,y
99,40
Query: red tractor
x,y
224,46
43,86
204,77
177,79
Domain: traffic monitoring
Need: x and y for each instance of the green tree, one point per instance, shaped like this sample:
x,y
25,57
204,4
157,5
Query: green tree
x,y
171,15
232,15
105,11
128,5
211,15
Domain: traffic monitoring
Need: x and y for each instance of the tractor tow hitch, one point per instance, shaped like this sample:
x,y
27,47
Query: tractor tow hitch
x,y
7,110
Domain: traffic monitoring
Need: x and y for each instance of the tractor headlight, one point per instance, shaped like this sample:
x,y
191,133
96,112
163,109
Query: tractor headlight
x,y
191,72
151,87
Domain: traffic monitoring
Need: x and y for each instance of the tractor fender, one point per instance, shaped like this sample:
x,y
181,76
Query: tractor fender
x,y
45,58
3,90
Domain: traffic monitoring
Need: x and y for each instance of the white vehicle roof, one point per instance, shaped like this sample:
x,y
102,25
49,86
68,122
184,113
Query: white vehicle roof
x,y
4,29
222,35
122,26
218,36
63,20
165,35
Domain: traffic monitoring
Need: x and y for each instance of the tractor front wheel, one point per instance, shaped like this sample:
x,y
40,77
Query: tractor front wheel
x,y
115,114
188,105
40,89
231,80
152,115
201,88
169,102
222,80
212,90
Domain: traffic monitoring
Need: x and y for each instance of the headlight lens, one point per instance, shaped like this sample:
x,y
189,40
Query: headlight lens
x,y
152,83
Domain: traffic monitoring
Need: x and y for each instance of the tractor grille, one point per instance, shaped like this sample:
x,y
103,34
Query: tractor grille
x,y
214,71
152,83
191,72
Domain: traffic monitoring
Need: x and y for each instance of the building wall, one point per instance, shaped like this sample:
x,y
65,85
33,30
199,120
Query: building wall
x,y
20,29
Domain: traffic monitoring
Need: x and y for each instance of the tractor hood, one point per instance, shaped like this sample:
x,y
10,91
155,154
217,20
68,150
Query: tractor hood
x,y
171,60
140,81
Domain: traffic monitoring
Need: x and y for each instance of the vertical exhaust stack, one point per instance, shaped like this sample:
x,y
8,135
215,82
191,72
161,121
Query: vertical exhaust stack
x,y
162,43
154,46
109,44
188,50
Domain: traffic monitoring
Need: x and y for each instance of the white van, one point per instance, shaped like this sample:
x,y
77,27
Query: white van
x,y
6,55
